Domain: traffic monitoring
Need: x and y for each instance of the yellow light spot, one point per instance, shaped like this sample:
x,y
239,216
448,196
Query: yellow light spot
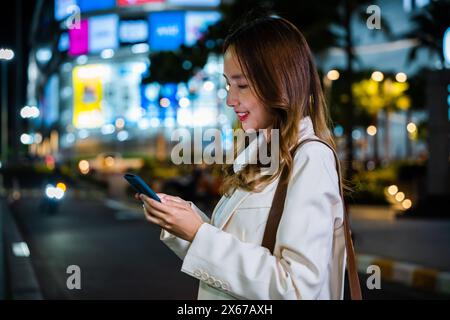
x,y
393,190
61,186
411,127
401,77
83,165
400,196
406,204
333,75
109,161
371,130
377,76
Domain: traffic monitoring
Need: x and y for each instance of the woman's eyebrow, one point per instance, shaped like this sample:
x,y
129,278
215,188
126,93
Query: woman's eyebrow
x,y
235,76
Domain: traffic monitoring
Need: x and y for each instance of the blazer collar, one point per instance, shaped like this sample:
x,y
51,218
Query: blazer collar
x,y
227,206
249,154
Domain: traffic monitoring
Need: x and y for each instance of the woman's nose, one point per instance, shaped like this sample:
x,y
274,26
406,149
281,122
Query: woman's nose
x,y
231,99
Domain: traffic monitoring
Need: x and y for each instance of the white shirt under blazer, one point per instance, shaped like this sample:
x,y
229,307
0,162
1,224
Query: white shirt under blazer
x,y
309,255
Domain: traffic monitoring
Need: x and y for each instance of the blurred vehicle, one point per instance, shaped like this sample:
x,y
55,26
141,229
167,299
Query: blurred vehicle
x,y
54,193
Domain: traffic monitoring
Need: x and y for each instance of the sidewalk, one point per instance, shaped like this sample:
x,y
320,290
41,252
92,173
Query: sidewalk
x,y
414,252
19,282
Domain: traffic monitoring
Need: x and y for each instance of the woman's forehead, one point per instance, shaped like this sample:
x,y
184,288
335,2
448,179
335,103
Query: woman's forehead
x,y
232,68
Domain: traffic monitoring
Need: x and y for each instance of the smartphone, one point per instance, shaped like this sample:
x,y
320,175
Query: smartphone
x,y
140,186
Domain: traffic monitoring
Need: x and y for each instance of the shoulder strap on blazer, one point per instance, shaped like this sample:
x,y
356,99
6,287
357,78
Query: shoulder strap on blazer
x,y
276,212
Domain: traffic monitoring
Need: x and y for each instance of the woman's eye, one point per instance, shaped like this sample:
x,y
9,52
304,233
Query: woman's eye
x,y
244,86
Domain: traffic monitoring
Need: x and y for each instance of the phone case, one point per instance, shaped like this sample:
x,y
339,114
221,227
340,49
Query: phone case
x,y
140,186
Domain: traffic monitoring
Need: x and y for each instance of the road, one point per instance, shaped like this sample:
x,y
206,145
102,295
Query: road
x,y
119,254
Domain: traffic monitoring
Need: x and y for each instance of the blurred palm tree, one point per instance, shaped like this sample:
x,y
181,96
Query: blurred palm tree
x,y
430,24
387,96
342,16
325,25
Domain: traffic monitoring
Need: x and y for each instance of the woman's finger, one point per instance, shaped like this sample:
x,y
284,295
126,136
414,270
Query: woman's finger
x,y
154,220
155,204
161,215
177,204
161,195
173,198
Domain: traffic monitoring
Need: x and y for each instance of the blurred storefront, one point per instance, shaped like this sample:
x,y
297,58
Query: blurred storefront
x,y
97,100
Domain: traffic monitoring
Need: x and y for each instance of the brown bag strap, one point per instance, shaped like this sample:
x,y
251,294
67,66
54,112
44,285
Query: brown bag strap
x,y
276,212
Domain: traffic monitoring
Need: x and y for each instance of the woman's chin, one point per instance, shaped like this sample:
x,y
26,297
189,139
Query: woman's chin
x,y
248,126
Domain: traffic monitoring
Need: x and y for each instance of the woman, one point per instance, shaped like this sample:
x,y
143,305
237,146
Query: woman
x,y
272,83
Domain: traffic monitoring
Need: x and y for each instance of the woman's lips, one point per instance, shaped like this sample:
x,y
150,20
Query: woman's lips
x,y
242,116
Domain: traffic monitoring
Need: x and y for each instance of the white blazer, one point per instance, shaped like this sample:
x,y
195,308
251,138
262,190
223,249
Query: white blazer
x,y
309,255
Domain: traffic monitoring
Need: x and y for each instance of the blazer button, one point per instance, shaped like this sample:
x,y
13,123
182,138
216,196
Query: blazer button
x,y
204,276
224,286
197,273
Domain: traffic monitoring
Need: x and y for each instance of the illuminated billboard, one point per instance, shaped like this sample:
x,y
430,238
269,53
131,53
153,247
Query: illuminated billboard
x,y
166,30
78,39
88,95
50,101
63,8
63,42
199,3
103,32
197,23
133,31
125,3
90,5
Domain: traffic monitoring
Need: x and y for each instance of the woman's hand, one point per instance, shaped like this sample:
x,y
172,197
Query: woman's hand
x,y
172,214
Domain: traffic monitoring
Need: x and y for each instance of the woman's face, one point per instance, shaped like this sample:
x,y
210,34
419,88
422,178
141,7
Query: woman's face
x,y
242,98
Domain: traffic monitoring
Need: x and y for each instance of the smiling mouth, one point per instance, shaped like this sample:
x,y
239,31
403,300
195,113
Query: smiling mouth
x,y
242,115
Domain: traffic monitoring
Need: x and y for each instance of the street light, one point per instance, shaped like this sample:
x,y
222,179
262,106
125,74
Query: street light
x,y
333,75
371,130
5,56
401,77
411,127
377,76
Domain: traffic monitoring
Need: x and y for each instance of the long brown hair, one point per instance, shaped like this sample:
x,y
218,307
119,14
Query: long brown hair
x,y
277,61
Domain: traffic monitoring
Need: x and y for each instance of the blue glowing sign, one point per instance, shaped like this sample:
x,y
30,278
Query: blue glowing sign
x,y
167,30
63,43
90,5
63,8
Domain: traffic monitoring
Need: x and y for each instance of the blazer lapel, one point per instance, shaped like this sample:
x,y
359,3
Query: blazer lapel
x,y
226,208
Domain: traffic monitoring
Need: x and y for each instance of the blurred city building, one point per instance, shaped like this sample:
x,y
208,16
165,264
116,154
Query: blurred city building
x,y
95,97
